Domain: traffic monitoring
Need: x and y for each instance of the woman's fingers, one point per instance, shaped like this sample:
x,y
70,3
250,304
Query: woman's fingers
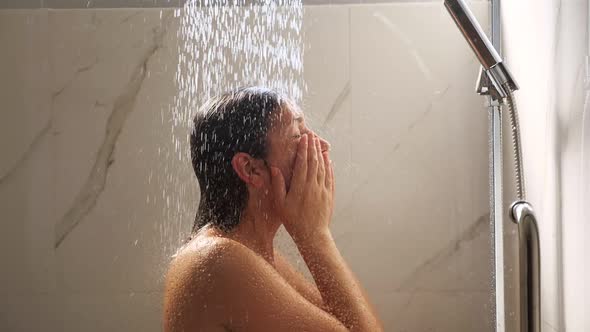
x,y
321,163
301,164
332,179
327,166
312,157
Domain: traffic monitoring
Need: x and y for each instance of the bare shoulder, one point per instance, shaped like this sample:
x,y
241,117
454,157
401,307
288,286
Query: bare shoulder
x,y
204,257
193,288
200,254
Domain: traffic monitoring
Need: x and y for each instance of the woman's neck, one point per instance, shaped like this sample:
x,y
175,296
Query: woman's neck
x,y
257,232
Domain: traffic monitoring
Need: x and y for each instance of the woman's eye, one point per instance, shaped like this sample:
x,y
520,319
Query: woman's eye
x,y
297,136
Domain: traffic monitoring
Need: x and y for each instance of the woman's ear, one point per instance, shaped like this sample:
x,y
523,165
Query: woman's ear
x,y
248,169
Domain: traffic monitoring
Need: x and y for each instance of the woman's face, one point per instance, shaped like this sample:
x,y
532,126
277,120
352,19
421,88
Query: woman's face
x,y
284,135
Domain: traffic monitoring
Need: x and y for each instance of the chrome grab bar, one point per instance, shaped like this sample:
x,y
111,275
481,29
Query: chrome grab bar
x,y
530,266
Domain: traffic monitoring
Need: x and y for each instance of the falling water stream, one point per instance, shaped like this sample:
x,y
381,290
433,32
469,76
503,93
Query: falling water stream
x,y
223,45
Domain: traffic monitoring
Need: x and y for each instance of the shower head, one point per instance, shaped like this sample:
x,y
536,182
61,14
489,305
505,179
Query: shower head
x,y
497,74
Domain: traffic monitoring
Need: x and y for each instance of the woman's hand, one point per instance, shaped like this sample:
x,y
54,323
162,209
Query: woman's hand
x,y
307,208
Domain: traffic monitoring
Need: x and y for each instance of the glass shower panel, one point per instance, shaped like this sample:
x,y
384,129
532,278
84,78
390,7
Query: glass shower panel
x,y
96,186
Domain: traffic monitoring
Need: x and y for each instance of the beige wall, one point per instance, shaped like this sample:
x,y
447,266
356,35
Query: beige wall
x,y
90,145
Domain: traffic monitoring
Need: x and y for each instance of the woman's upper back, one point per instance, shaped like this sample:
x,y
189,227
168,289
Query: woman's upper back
x,y
192,286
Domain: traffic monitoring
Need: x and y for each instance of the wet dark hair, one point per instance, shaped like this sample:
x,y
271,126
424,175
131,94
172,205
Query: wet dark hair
x,y
236,121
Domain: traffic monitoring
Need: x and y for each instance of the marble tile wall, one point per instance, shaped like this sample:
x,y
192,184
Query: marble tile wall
x,y
95,199
28,277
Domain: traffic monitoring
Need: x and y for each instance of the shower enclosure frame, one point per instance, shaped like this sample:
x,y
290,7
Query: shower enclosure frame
x,y
496,180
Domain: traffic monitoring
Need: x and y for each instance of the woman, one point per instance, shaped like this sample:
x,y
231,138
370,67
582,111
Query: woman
x,y
259,167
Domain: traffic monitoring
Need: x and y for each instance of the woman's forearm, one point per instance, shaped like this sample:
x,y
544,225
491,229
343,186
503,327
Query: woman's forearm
x,y
340,290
